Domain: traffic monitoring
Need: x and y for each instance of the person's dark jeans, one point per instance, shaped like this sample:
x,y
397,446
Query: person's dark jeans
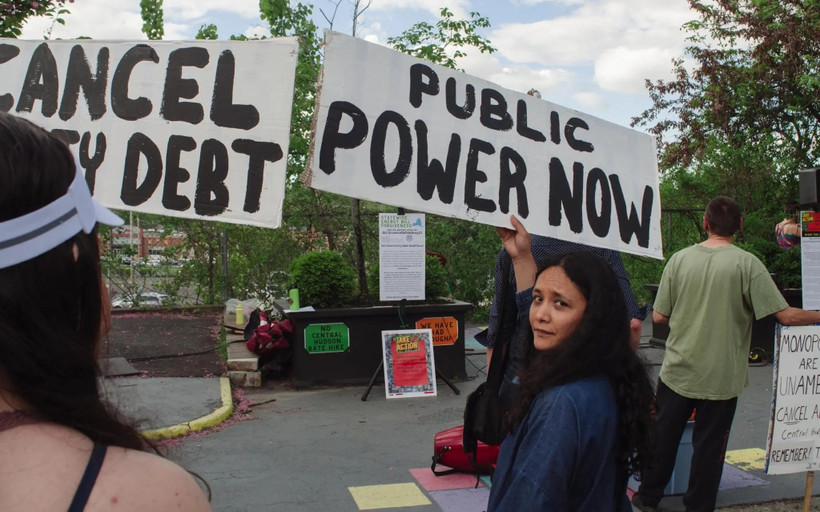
x,y
713,421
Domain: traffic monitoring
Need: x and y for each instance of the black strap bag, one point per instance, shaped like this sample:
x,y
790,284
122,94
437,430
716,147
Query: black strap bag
x,y
485,412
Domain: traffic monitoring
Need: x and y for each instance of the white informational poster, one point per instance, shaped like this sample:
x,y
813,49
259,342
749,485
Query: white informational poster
x,y
810,259
401,256
402,131
794,430
409,363
194,129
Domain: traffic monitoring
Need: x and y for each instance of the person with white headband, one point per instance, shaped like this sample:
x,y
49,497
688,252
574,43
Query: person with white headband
x,y
61,446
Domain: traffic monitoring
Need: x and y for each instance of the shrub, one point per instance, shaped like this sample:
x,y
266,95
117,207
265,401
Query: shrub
x,y
435,279
324,279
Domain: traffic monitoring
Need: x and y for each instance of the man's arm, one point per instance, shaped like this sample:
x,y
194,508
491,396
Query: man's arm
x,y
797,316
635,328
659,318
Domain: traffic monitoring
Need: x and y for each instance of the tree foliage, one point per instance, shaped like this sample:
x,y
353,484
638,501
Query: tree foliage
x,y
14,13
324,278
208,32
756,64
444,42
153,24
741,115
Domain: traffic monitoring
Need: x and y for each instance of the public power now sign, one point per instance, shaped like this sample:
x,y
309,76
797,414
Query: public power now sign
x,y
195,129
397,130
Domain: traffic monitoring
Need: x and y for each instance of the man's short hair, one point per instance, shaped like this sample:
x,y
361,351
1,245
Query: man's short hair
x,y
723,216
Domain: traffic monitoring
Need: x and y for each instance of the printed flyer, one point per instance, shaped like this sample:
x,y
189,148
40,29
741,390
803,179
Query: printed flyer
x,y
409,365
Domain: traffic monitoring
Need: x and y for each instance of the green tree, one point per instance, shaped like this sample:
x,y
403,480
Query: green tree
x,y
153,25
207,32
750,109
445,42
741,115
14,13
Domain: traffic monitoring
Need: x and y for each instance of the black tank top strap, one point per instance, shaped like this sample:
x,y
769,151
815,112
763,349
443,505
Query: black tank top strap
x,y
89,478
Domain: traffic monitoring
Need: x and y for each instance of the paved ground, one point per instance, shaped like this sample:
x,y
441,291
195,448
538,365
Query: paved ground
x,y
326,450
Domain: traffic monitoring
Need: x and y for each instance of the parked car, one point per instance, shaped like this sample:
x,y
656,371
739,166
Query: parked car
x,y
143,300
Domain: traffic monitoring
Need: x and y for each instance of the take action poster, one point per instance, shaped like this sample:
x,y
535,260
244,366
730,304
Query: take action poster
x,y
409,365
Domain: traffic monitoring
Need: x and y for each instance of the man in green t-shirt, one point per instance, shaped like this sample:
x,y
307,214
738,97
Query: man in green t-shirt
x,y
710,294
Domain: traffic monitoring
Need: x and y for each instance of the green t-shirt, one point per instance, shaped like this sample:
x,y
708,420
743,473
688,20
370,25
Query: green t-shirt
x,y
712,297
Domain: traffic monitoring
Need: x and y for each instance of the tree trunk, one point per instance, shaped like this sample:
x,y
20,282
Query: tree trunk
x,y
358,248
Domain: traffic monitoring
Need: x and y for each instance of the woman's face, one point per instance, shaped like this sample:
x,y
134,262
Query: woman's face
x,y
557,308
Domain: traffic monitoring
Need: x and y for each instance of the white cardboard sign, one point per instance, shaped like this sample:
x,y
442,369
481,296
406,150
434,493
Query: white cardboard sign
x,y
401,131
195,129
794,430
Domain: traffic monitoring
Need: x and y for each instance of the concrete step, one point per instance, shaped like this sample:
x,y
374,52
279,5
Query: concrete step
x,y
243,365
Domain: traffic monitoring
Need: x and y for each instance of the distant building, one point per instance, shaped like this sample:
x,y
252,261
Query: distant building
x,y
146,242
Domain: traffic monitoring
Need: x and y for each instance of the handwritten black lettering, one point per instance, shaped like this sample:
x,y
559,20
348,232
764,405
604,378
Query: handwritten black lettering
x,y
431,174
7,52
475,175
378,166
79,76
131,193
41,83
211,193
258,153
223,111
124,107
332,139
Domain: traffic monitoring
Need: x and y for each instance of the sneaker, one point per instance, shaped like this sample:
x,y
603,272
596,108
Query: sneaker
x,y
638,503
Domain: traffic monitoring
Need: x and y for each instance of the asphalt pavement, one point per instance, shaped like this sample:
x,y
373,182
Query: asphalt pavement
x,y
326,450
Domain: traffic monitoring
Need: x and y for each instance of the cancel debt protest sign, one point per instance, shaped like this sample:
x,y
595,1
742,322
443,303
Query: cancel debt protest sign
x,y
794,429
195,129
397,130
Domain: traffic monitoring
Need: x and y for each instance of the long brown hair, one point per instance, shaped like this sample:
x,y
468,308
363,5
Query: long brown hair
x,y
50,305
598,347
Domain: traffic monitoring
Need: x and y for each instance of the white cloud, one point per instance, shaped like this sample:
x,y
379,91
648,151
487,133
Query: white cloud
x,y
196,9
536,2
88,19
589,100
522,79
584,34
120,19
458,7
625,69
256,32
373,33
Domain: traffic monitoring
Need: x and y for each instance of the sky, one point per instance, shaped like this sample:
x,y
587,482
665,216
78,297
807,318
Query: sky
x,y
590,55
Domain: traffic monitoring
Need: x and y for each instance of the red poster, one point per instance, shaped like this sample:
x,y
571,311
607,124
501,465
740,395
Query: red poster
x,y
409,366
409,361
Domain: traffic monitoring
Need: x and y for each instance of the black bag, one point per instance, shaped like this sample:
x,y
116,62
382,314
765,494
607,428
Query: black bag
x,y
485,412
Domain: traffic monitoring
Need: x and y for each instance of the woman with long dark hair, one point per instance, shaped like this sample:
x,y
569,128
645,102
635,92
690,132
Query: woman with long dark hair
x,y
581,423
61,447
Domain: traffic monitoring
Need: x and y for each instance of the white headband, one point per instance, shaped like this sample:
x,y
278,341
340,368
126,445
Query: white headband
x,y
35,233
